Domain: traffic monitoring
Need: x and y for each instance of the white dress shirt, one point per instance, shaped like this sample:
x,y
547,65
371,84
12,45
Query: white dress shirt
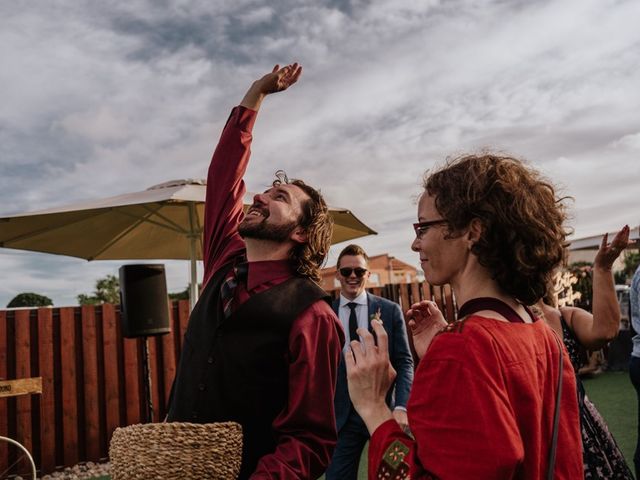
x,y
362,314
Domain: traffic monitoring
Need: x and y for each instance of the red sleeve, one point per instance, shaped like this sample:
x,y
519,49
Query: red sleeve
x,y
225,191
453,394
306,429
392,454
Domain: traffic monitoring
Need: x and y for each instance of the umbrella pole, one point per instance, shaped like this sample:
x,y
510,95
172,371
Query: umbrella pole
x,y
193,238
193,287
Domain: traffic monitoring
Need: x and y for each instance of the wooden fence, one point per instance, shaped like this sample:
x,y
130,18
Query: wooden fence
x,y
93,378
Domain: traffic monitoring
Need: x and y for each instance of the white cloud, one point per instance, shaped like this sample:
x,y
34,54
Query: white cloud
x,y
256,17
101,99
631,142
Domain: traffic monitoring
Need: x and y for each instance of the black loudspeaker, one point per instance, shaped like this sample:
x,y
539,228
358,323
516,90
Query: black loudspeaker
x,y
144,307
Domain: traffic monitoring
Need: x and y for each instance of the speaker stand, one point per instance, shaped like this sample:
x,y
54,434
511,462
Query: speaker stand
x,y
147,380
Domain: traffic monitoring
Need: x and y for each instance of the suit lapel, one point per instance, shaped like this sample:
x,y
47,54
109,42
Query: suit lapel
x,y
372,307
336,305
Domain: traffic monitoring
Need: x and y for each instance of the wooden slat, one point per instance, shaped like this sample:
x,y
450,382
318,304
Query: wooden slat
x,y
69,386
183,315
131,381
91,400
153,371
160,407
404,296
111,384
426,291
438,297
24,433
415,294
448,298
169,362
22,386
47,398
4,410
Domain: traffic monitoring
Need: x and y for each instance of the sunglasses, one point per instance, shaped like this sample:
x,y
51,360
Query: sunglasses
x,y
421,227
346,271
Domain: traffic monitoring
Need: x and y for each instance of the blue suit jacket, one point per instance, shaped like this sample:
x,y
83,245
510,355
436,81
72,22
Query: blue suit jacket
x,y
399,354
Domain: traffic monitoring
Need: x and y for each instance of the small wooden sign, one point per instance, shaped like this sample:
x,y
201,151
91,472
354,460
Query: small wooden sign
x,y
23,386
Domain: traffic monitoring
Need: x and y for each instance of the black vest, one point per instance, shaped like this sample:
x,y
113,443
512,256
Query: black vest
x,y
236,369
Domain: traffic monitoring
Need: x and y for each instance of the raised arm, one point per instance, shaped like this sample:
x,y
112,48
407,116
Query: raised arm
x,y
226,189
595,331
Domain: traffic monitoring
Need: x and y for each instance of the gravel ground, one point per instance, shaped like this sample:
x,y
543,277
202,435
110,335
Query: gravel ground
x,y
82,471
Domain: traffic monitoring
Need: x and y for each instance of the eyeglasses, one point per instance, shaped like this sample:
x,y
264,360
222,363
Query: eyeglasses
x,y
421,227
346,271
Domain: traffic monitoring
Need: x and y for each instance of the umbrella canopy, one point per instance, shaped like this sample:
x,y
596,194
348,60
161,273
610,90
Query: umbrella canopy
x,y
162,222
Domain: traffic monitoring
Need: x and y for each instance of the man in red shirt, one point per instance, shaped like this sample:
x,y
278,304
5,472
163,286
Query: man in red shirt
x,y
262,346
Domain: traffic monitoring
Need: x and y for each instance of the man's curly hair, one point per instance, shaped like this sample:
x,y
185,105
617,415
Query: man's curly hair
x,y
315,219
523,234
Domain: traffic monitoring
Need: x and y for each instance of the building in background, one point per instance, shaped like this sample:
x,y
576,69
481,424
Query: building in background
x,y
384,269
585,249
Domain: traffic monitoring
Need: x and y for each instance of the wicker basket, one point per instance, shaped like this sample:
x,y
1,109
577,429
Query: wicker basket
x,y
176,450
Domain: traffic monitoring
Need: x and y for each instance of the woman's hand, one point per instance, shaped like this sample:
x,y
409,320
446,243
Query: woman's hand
x,y
609,252
425,321
370,376
595,330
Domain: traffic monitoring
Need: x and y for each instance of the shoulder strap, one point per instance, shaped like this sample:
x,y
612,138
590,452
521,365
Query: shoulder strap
x,y
556,415
288,299
489,303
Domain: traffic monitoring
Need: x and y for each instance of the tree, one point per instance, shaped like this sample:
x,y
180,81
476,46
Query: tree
x,y
29,299
107,291
183,295
631,262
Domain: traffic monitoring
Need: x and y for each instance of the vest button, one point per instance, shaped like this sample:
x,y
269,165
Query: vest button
x,y
194,415
202,387
210,360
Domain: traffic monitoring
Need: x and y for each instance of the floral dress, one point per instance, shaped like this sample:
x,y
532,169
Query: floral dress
x,y
601,456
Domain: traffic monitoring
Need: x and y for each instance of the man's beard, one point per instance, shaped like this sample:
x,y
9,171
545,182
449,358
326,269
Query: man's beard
x,y
267,231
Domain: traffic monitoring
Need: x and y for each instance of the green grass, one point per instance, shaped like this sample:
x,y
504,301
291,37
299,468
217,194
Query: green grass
x,y
363,470
615,398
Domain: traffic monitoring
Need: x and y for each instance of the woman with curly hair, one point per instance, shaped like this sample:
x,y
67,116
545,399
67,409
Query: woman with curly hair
x,y
494,395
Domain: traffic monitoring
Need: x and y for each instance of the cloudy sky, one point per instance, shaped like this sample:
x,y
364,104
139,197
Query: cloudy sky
x,y
103,98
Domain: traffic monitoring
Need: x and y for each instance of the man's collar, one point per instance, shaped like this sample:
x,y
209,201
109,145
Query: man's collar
x,y
360,299
263,271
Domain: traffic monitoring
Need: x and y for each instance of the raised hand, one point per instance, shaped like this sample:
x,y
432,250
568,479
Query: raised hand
x,y
370,375
425,321
277,80
609,252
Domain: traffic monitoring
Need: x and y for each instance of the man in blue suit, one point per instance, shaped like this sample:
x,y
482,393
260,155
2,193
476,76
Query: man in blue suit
x,y
356,308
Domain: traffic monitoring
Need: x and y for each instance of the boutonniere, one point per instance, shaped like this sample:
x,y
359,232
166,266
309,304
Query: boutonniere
x,y
375,316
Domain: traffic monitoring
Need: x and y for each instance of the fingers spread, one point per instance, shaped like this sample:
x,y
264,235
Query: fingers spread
x,y
357,351
368,343
349,360
621,240
296,74
381,335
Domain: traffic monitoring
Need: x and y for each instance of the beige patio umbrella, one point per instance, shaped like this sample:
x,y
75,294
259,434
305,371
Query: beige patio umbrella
x,y
162,222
